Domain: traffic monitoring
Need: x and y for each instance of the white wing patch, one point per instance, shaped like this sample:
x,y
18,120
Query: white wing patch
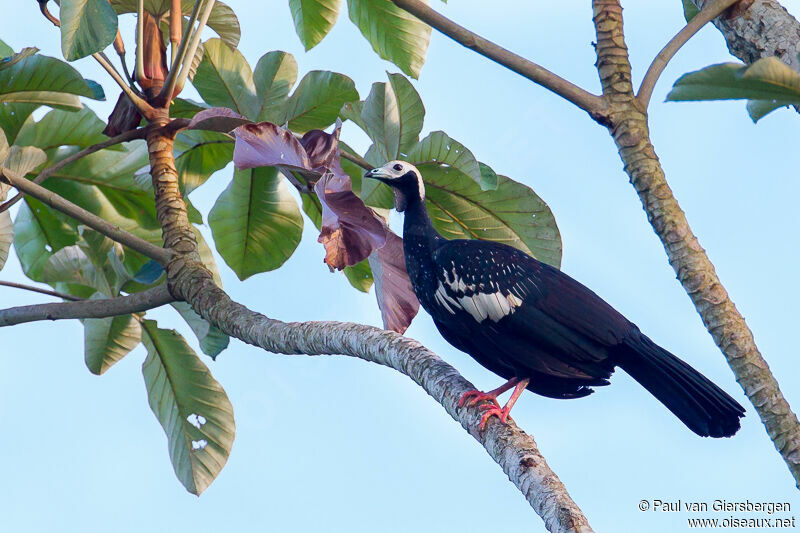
x,y
491,305
445,300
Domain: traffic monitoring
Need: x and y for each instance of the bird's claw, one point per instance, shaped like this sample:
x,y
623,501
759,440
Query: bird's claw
x,y
494,410
472,397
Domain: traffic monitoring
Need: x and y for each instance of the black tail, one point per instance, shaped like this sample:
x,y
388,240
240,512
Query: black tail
x,y
702,406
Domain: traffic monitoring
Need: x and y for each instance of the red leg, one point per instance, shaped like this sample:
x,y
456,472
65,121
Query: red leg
x,y
491,396
502,414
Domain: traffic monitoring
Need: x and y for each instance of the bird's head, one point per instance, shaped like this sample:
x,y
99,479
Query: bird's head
x,y
403,178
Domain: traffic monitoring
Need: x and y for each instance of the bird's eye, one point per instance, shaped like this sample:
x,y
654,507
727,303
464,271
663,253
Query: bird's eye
x,y
398,167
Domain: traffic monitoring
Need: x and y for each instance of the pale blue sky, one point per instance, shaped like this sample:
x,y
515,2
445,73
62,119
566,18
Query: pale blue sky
x,y
335,444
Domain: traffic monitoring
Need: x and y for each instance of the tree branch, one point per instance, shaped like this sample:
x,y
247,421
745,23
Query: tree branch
x,y
189,280
592,104
39,290
52,169
93,221
759,28
708,13
629,128
122,305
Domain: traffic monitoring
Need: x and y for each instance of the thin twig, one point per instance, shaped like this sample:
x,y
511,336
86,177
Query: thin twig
x,y
49,171
358,160
93,221
88,308
707,14
39,290
139,102
177,60
592,104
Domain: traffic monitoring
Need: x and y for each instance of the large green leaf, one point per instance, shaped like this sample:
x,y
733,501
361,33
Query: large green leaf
x,y
24,159
47,81
212,340
394,34
222,19
107,340
87,27
5,50
689,10
64,128
190,405
758,109
512,214
224,79
766,79
373,192
393,115
316,102
199,154
255,222
274,76
313,19
72,265
13,117
439,149
38,234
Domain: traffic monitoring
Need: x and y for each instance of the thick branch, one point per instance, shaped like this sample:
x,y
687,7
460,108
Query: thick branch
x,y
587,101
759,28
93,221
123,305
52,169
708,13
31,288
696,273
190,281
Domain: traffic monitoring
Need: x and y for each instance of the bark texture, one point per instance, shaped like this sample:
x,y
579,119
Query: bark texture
x,y
188,280
628,126
759,28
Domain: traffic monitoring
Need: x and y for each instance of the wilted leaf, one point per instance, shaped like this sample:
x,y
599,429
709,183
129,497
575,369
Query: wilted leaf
x,y
6,235
124,117
394,34
313,19
255,222
316,102
87,27
265,144
22,160
274,76
396,298
45,80
513,214
219,119
212,340
190,405
107,340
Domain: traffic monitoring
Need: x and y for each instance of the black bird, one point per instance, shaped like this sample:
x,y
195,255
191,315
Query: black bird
x,y
535,326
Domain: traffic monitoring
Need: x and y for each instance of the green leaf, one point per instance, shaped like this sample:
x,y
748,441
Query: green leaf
x,y
185,108
224,79
212,340
689,10
758,109
47,81
190,405
87,27
72,265
439,149
316,102
5,50
64,128
38,234
512,214
16,58
393,115
255,222
22,160
394,34
359,275
373,192
352,111
313,19
13,117
198,154
766,79
6,236
107,340
274,77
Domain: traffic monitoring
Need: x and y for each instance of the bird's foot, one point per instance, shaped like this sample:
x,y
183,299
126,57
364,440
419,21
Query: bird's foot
x,y
494,410
472,397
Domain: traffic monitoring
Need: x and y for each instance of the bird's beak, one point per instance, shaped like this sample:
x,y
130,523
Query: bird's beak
x,y
378,174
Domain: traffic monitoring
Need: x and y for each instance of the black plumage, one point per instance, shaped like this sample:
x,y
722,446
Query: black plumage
x,y
537,327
